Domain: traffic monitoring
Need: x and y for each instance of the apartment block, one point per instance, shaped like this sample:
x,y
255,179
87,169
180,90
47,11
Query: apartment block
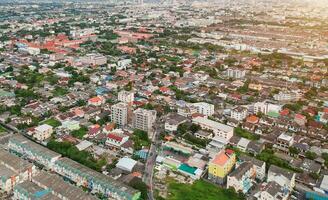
x,y
239,113
204,108
218,129
221,165
143,119
125,96
241,179
119,114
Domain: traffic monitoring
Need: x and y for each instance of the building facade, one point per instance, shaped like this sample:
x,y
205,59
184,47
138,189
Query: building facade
x,y
221,165
119,114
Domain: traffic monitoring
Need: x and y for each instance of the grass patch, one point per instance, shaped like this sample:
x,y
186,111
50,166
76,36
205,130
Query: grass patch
x,y
82,157
80,133
52,122
2,129
268,156
201,190
245,134
59,91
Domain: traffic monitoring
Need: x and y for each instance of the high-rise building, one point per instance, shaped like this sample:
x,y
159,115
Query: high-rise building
x,y
125,96
221,165
119,114
143,119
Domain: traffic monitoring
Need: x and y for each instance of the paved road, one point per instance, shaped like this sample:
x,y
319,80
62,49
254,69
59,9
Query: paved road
x,y
151,160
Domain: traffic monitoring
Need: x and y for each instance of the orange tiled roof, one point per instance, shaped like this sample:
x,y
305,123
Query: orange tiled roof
x,y
221,158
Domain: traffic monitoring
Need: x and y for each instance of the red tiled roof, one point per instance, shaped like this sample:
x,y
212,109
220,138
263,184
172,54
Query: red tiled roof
x,y
115,137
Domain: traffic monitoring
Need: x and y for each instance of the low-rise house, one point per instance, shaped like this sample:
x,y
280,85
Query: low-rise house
x,y
42,132
204,134
173,121
241,179
273,191
258,164
284,178
116,138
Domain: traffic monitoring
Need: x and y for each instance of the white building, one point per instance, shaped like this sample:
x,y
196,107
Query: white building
x,y
116,138
241,179
236,73
124,64
286,179
43,132
173,121
266,107
125,96
94,59
126,164
119,114
218,129
287,96
204,108
239,113
143,119
258,164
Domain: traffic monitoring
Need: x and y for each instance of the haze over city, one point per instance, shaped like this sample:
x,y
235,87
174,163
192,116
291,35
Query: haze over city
x,y
163,99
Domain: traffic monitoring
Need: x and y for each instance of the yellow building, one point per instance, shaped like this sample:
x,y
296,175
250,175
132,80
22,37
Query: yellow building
x,y
221,165
254,86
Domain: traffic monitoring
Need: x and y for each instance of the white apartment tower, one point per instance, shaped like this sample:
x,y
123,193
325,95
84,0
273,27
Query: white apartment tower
x,y
119,114
125,96
143,119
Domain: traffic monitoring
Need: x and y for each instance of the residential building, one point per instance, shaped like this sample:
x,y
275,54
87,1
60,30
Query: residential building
x,y
284,141
13,170
273,191
42,132
33,151
300,119
287,96
173,121
218,129
143,119
119,114
236,73
266,107
204,108
258,164
125,97
284,178
239,113
221,165
116,138
97,182
94,59
241,179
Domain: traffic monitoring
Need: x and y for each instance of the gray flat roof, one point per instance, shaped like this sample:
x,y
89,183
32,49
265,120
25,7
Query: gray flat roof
x,y
96,175
16,163
58,185
5,172
32,145
34,191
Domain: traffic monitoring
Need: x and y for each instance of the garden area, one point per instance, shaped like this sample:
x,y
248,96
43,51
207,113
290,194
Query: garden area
x,y
201,190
